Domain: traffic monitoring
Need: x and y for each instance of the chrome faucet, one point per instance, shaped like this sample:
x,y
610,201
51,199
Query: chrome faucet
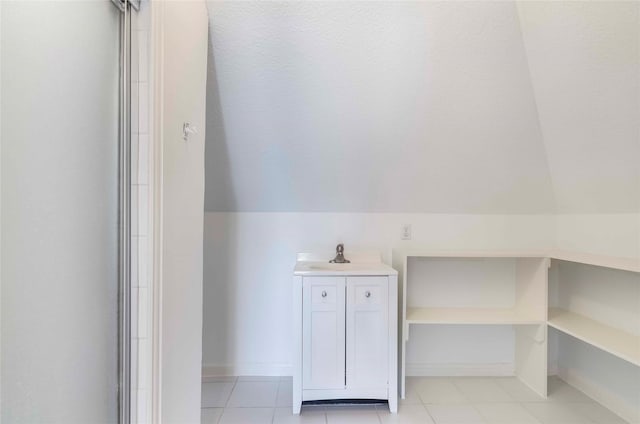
x,y
339,259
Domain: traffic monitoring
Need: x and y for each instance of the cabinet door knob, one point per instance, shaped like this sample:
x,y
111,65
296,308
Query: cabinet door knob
x,y
367,294
324,293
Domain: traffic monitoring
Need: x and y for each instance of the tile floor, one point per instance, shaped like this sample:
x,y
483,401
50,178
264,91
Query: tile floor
x,y
499,400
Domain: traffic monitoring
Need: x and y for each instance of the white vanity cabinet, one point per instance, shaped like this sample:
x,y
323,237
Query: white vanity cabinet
x,y
367,333
345,332
323,333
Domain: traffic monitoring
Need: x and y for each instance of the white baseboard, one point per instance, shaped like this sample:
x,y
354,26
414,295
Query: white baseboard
x,y
413,370
601,395
459,370
250,369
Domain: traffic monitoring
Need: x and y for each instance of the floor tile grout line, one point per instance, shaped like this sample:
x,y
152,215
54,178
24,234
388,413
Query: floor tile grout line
x,y
273,415
277,393
429,413
235,382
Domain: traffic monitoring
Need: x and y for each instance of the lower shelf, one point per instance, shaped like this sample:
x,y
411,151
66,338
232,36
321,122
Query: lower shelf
x,y
618,343
481,316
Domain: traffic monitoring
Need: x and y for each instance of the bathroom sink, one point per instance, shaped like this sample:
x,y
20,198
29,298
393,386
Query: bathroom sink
x,y
335,267
367,267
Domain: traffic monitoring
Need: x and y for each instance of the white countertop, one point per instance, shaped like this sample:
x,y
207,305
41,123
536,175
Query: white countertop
x,y
361,264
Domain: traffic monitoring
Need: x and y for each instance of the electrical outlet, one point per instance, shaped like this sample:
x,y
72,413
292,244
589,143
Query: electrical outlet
x,y
405,232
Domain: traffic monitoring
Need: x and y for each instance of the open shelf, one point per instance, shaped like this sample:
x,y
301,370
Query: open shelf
x,y
616,342
615,262
480,316
531,291
476,289
624,264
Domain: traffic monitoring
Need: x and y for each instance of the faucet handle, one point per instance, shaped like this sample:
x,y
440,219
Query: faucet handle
x,y
339,259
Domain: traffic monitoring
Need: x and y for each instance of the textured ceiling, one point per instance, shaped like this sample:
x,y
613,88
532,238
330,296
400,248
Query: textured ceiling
x,y
444,107
584,60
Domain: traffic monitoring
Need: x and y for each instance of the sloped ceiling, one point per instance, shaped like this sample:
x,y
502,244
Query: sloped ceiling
x,y
584,61
442,107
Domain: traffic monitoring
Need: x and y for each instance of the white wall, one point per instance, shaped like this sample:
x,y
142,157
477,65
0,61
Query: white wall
x,y
59,211
469,107
249,259
426,109
604,234
584,60
181,77
372,107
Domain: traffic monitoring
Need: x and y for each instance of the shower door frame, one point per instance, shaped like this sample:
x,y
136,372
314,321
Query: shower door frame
x,y
126,8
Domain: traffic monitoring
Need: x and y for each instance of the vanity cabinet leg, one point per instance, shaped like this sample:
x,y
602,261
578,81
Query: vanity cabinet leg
x,y
393,404
297,406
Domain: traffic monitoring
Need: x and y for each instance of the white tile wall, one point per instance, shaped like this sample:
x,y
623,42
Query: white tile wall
x,y
141,219
143,92
143,261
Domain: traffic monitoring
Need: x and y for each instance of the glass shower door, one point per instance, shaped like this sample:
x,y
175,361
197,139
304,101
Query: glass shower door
x,y
61,212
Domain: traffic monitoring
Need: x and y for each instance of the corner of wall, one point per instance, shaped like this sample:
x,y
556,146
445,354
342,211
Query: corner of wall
x,y
536,104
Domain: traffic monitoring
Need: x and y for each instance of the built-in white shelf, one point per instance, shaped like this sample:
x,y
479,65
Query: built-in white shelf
x,y
614,262
479,288
531,290
470,316
433,253
616,342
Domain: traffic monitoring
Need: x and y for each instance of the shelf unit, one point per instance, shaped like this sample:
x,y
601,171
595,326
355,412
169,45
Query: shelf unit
x,y
592,300
597,305
616,342
473,288
622,264
468,316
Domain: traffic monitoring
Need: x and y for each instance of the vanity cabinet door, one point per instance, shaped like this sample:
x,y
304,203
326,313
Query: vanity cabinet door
x,y
323,344
367,332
